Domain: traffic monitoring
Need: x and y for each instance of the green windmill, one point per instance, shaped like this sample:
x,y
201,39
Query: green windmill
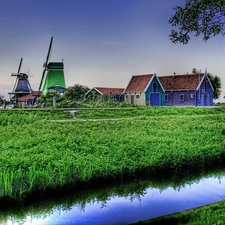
x,y
54,79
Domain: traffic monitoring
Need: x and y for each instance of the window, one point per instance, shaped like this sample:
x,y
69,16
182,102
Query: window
x,y
155,87
181,97
205,84
166,97
137,96
127,97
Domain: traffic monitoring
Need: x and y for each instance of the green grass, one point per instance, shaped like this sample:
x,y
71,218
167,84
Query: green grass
x,y
145,112
27,116
207,215
93,104
37,153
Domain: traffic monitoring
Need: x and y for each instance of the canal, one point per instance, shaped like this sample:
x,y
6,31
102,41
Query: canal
x,y
122,203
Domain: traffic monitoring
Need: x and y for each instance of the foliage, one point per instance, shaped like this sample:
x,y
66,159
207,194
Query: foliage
x,y
215,81
144,112
48,98
67,104
221,104
76,92
204,17
93,104
36,154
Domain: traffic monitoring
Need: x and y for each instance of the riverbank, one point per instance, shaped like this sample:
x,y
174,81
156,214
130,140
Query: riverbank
x,y
119,202
38,154
208,214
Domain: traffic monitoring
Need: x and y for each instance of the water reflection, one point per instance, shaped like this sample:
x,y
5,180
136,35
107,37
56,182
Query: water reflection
x,y
120,204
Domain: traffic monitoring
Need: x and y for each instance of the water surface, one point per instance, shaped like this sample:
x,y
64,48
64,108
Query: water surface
x,y
132,207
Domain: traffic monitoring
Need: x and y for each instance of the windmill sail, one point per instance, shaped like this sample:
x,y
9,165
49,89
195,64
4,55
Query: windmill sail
x,y
18,71
46,63
21,60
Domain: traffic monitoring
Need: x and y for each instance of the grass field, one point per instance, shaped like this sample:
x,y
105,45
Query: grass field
x,y
38,153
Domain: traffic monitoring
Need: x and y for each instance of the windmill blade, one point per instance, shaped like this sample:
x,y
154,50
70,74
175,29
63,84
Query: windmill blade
x,y
49,52
43,74
21,60
45,64
15,84
16,74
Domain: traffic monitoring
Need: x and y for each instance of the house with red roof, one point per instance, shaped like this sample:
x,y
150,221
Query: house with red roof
x,y
187,90
104,93
144,90
28,99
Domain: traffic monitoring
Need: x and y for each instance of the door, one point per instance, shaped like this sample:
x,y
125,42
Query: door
x,y
202,100
132,99
205,100
155,99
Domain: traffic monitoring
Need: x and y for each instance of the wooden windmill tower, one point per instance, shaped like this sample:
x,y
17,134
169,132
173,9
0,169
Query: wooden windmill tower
x,y
21,87
54,79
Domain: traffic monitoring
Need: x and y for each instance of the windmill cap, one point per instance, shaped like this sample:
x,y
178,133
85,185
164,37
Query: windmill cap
x,y
55,65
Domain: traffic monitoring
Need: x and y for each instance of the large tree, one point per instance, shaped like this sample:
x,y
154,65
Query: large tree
x,y
47,99
215,81
202,17
76,92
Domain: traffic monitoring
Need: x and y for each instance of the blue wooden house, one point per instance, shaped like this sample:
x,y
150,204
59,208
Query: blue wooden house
x,y
187,90
144,90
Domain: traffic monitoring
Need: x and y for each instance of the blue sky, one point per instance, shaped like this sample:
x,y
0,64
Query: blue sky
x,y
102,42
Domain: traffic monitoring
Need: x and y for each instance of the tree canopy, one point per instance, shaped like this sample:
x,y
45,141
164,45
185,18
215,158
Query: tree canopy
x,y
215,81
202,17
47,99
76,92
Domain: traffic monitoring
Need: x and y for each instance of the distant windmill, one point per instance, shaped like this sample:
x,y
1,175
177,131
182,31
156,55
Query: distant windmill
x,y
22,86
54,79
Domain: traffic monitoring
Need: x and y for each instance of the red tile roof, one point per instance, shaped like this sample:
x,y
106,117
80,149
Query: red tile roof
x,y
107,91
181,82
32,95
138,83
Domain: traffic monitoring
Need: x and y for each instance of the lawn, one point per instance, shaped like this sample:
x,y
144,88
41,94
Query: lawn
x,y
39,151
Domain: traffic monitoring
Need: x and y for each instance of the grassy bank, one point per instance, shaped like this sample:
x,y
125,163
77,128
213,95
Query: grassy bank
x,y
207,215
38,153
